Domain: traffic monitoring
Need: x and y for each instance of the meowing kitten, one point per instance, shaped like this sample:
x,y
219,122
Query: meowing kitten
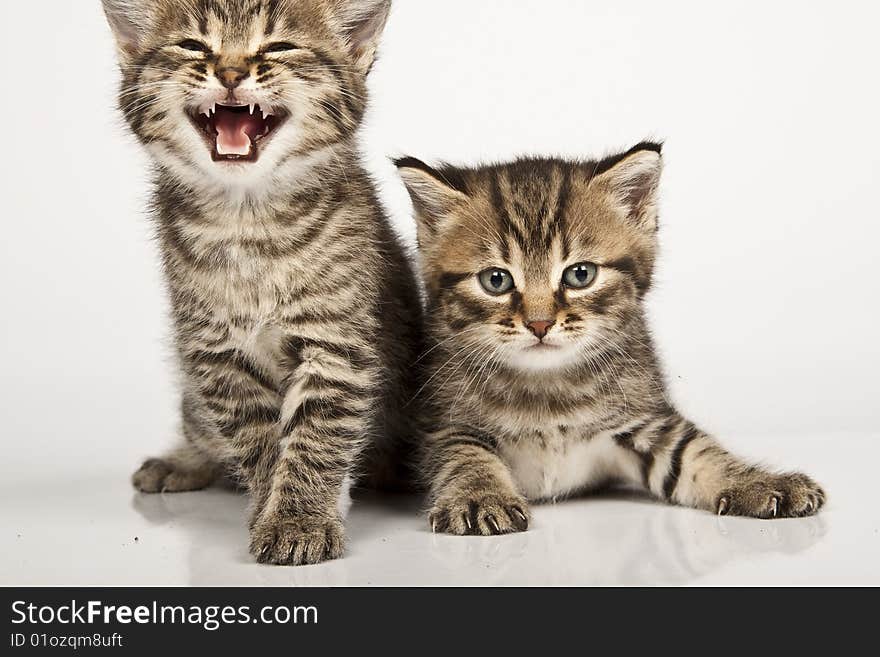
x,y
296,314
543,380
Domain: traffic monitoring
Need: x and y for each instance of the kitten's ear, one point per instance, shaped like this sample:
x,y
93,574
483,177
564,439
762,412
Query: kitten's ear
x,y
362,23
435,194
633,179
129,20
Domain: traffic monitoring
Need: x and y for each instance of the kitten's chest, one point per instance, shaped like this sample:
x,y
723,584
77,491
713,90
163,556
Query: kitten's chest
x,y
555,463
233,315
260,343
240,274
240,303
236,261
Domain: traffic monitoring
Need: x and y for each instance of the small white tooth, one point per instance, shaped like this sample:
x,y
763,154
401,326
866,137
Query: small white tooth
x,y
213,108
252,107
207,112
266,112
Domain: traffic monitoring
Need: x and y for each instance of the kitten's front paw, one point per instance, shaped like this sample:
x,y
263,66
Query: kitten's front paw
x,y
480,513
164,476
772,496
297,541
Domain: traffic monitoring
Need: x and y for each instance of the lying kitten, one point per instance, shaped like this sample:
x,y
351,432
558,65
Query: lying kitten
x,y
543,379
296,313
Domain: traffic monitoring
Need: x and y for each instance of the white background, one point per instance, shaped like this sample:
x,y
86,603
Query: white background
x,y
766,304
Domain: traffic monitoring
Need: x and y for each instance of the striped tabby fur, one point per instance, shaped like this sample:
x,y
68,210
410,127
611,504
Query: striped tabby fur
x,y
295,310
577,401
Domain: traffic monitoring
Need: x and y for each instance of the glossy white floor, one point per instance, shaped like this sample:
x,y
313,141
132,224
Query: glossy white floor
x,y
90,528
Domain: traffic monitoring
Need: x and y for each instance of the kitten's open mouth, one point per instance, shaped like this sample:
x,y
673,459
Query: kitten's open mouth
x,y
235,132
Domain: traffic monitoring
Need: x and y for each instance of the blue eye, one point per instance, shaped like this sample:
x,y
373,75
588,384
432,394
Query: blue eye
x,y
580,276
496,281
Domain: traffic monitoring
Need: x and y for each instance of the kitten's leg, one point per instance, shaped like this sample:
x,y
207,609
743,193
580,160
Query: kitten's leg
x,y
471,489
231,411
185,468
230,416
683,465
329,404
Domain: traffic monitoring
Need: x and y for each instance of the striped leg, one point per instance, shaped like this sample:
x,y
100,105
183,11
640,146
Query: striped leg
x,y
229,414
471,489
184,468
231,411
683,465
326,415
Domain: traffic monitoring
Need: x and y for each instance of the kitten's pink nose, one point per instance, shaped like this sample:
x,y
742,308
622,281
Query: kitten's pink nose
x,y
540,328
230,77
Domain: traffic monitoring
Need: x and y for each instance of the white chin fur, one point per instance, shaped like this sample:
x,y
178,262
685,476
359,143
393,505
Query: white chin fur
x,y
542,360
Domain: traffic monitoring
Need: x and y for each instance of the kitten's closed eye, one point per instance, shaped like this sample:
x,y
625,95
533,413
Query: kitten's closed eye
x,y
280,46
193,45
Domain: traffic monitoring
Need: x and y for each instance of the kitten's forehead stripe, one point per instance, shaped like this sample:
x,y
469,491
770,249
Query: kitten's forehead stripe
x,y
531,206
273,13
559,221
499,200
531,209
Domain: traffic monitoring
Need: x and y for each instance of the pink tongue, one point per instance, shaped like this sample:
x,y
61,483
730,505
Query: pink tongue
x,y
234,132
